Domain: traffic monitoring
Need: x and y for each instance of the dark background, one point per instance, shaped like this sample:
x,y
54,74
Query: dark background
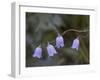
x,y
43,27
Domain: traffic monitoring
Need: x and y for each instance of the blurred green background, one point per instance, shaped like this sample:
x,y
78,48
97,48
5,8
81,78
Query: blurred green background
x,y
43,27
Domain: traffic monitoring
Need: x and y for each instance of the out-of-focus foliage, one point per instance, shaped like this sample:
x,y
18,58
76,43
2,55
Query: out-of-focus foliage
x,y
42,28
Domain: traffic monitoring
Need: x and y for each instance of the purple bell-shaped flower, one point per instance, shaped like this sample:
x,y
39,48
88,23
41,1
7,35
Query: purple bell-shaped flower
x,y
59,41
75,44
51,50
38,52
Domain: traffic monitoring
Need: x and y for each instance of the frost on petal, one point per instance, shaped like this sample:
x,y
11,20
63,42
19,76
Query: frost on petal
x,y
38,52
59,41
75,44
51,50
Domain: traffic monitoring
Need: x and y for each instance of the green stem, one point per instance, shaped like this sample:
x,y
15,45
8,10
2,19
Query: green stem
x,y
75,30
80,31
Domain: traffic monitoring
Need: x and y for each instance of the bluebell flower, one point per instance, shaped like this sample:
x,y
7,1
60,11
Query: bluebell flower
x,y
51,50
75,44
59,41
38,52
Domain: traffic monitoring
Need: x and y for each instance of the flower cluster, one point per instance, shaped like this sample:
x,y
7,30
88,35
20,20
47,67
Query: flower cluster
x,y
51,49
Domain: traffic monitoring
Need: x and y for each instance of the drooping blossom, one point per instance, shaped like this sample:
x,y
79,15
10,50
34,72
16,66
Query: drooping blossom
x,y
38,52
51,50
59,41
75,44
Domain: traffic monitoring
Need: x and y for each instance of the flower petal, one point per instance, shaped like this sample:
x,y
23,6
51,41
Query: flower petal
x,y
51,50
59,41
75,44
38,52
